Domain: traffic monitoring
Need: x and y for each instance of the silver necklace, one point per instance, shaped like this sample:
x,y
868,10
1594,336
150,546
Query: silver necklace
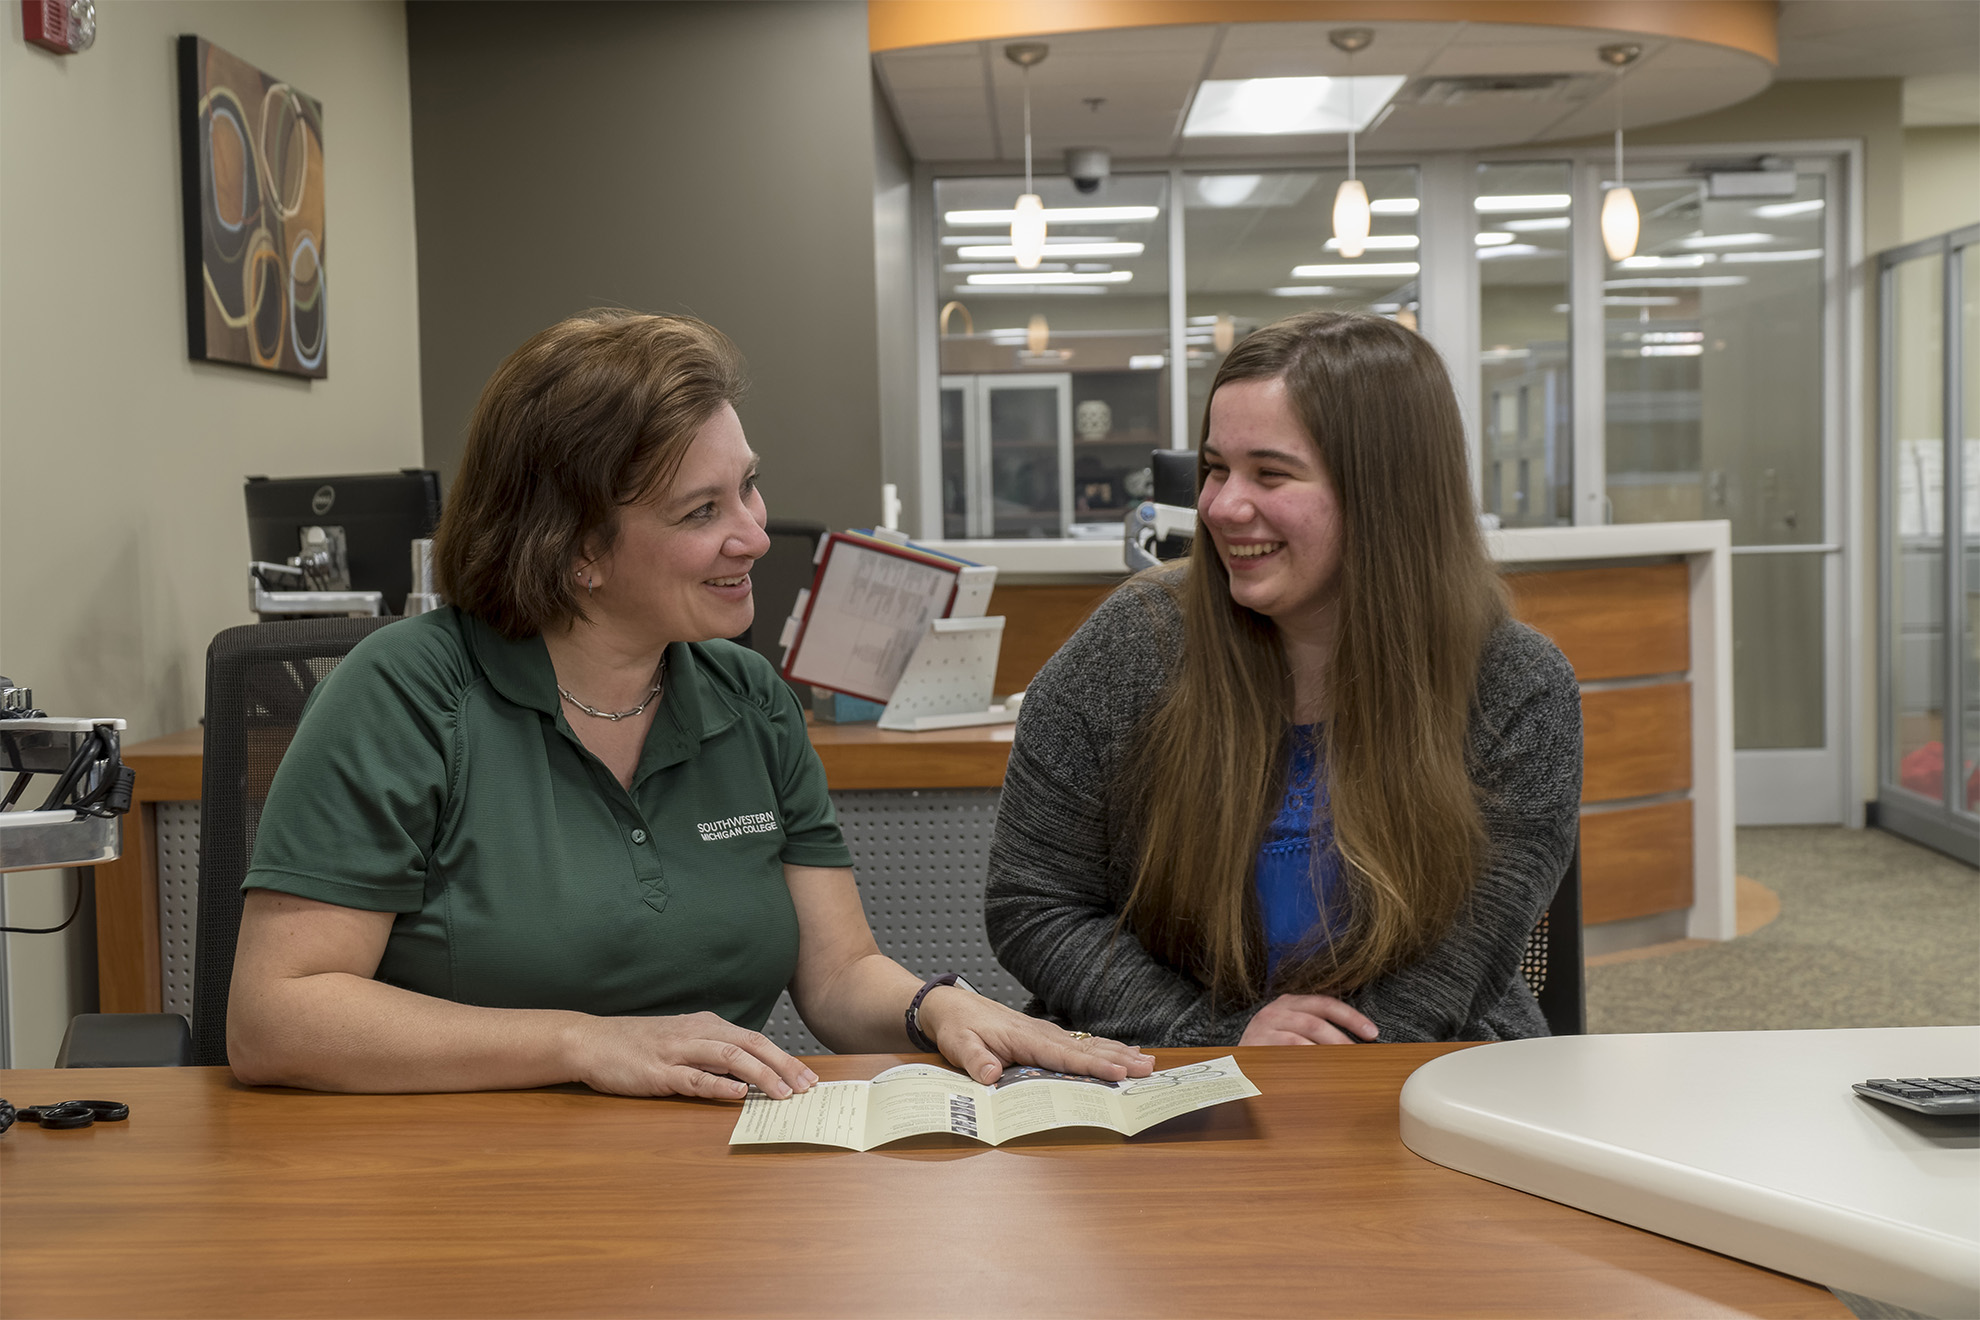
x,y
616,715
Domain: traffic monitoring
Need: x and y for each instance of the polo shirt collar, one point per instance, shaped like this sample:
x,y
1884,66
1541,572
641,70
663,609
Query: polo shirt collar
x,y
520,671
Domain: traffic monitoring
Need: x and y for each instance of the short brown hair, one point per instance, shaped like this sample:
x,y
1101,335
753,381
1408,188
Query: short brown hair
x,y
590,415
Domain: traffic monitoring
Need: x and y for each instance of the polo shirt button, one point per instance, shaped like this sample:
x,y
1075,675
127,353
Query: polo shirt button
x,y
639,836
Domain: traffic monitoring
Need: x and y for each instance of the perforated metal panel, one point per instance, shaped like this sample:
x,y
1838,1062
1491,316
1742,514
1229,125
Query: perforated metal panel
x,y
921,858
178,900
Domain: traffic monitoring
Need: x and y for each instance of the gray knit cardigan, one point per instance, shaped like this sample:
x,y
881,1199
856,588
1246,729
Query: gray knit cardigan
x,y
1064,857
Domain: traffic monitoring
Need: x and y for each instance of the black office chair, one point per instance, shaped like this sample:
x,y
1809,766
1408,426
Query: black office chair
x,y
1552,963
257,678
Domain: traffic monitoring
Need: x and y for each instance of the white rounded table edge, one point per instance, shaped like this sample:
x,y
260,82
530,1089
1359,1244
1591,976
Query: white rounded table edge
x,y
1904,1264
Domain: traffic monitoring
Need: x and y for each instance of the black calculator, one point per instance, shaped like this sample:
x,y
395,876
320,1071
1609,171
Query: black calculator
x,y
1926,1095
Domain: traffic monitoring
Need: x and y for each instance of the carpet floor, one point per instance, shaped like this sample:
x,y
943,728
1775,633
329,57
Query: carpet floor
x,y
1873,932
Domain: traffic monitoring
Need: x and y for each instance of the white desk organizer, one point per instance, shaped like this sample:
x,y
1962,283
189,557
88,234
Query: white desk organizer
x,y
946,684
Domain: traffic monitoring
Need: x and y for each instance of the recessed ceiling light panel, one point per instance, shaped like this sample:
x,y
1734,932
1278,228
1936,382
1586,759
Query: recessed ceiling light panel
x,y
1784,210
992,251
1382,243
1070,277
1356,270
1266,107
1500,203
1058,215
1698,241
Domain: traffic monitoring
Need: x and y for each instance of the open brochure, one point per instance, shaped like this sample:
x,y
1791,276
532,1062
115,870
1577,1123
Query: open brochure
x,y
918,1098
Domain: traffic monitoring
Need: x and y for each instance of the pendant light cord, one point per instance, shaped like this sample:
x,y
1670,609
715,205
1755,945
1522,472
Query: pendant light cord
x,y
1027,128
1350,83
1619,153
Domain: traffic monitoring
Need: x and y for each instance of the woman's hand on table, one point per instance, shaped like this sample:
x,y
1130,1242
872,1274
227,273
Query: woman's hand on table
x,y
983,1037
698,1054
1307,1020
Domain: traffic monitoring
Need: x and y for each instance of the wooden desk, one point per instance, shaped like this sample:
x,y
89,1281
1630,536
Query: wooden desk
x,y
218,1200
129,967
866,756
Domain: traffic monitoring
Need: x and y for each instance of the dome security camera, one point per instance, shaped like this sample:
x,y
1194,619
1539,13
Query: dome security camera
x,y
1088,167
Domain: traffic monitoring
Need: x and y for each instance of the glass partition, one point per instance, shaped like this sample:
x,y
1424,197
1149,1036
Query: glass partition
x,y
1714,363
1259,245
1916,528
1929,438
1523,235
1054,379
1969,600
1714,345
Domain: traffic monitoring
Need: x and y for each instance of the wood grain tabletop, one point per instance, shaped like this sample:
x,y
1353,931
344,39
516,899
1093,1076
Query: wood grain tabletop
x,y
215,1199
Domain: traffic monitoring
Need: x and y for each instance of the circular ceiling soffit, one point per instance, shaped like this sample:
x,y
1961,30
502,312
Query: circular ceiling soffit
x,y
1749,26
1470,74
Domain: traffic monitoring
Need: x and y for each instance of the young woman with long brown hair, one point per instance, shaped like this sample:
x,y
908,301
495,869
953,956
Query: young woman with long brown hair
x,y
1314,785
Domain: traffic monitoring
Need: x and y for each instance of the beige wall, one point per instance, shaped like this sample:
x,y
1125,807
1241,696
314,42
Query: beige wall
x,y
122,537
1941,180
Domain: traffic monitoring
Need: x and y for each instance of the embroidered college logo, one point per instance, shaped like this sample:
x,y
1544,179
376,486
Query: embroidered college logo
x,y
759,822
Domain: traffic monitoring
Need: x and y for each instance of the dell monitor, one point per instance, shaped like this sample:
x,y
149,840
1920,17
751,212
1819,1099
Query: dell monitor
x,y
380,514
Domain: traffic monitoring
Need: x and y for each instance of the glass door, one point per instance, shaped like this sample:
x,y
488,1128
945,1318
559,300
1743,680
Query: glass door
x,y
1721,400
965,505
1523,233
1929,443
1026,453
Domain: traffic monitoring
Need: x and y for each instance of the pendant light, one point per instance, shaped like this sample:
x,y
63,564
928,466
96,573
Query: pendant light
x,y
1620,222
1351,216
1028,216
1037,333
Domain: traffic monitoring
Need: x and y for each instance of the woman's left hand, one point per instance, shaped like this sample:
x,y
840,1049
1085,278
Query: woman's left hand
x,y
983,1037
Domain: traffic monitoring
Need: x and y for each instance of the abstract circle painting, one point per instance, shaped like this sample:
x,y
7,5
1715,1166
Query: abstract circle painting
x,y
251,155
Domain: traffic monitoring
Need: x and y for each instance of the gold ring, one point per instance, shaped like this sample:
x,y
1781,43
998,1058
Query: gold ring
x,y
1080,1035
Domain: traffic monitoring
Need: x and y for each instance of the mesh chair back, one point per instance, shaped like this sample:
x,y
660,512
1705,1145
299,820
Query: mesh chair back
x,y
257,678
1552,963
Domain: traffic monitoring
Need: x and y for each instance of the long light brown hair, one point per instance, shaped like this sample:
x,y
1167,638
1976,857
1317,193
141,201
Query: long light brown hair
x,y
1416,598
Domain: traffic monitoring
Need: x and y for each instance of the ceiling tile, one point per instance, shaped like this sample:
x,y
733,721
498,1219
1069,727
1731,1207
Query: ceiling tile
x,y
908,70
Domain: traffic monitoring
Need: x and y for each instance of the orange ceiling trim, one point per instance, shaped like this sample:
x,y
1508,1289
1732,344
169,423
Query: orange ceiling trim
x,y
1746,25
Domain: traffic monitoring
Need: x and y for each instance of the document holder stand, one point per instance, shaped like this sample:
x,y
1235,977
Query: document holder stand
x,y
946,684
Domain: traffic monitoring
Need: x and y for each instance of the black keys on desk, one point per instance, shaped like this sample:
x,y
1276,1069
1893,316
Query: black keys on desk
x,y
1926,1095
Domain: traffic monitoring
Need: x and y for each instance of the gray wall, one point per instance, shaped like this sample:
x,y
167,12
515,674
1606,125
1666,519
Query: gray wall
x,y
716,159
894,263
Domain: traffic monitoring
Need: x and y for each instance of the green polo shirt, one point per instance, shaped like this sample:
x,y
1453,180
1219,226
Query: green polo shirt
x,y
435,776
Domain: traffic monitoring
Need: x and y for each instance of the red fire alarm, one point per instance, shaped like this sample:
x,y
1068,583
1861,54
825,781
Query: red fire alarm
x,y
66,27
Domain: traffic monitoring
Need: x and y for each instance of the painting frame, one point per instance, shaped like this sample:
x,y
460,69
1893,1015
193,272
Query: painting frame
x,y
252,183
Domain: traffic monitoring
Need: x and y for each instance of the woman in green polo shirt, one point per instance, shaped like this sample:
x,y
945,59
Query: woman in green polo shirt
x,y
556,832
